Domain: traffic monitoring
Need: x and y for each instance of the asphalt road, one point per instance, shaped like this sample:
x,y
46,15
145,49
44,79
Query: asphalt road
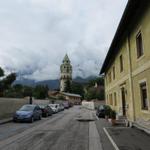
x,y
58,132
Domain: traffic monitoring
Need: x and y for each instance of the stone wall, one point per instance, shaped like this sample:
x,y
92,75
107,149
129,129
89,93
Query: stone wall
x,y
9,105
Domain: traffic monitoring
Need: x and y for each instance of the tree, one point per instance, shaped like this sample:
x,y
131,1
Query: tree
x,y
77,88
15,91
18,87
98,80
27,91
1,72
93,92
67,86
90,94
6,82
40,92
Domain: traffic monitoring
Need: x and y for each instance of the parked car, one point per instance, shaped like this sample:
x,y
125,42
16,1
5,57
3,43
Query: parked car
x,y
66,105
46,110
77,103
28,113
55,107
61,107
101,110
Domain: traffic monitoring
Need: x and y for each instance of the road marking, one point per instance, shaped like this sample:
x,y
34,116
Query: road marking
x,y
94,138
110,138
96,117
118,127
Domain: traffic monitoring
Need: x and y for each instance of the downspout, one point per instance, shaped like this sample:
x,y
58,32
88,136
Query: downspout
x,y
130,78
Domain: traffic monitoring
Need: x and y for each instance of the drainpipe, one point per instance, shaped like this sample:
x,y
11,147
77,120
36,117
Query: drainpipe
x,y
130,76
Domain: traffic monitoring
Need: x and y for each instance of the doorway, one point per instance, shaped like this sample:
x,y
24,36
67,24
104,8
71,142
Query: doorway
x,y
123,101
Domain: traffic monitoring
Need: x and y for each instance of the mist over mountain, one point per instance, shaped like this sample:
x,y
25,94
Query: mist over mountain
x,y
52,84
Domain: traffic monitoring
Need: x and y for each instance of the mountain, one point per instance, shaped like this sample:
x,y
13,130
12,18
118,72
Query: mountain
x,y
24,81
52,84
83,80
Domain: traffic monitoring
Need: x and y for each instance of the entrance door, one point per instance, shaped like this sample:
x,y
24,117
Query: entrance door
x,y
123,101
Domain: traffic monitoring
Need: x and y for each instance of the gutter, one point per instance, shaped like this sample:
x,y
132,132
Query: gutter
x,y
3,121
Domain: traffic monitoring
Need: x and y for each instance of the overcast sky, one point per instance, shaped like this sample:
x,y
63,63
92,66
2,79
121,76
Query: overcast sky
x,y
35,35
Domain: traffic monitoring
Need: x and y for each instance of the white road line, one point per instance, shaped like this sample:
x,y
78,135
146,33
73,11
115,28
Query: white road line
x,y
111,140
94,138
97,117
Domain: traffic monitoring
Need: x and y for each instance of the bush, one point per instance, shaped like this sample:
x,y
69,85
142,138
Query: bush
x,y
108,111
113,114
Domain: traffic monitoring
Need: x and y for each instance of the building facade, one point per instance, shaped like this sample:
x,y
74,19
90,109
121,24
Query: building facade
x,y
65,73
127,65
73,98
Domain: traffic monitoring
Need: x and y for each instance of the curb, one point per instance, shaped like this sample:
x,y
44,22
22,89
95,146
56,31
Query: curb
x,y
147,131
6,121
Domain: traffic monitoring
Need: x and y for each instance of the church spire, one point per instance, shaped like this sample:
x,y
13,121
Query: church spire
x,y
65,73
66,59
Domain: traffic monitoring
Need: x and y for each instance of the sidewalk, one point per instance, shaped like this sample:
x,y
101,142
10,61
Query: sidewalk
x,y
3,121
122,138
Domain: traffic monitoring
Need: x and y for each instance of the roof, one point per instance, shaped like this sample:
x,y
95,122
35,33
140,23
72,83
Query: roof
x,y
133,6
71,94
66,59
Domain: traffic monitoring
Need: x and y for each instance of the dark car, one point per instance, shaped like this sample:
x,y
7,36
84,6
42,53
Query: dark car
x,y
46,110
28,113
70,104
101,111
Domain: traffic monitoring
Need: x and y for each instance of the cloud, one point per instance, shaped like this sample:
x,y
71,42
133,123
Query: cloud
x,y
36,34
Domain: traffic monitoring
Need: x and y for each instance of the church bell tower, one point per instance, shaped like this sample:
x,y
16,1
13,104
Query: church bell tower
x,y
65,73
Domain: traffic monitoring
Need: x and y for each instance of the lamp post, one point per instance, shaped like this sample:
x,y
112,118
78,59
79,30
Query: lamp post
x,y
30,97
30,100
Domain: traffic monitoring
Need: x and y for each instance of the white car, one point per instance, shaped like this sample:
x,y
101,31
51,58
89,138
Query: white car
x,y
55,107
61,107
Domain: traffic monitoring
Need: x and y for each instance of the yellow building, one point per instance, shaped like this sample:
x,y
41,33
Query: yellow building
x,y
127,65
